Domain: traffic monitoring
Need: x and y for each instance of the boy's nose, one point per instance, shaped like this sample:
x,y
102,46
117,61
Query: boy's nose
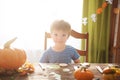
x,y
59,37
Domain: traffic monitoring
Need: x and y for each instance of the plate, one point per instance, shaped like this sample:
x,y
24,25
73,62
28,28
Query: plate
x,y
63,64
66,70
53,66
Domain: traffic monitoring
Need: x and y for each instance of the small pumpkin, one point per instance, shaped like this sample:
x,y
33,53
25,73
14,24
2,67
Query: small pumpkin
x,y
83,74
11,59
109,71
111,74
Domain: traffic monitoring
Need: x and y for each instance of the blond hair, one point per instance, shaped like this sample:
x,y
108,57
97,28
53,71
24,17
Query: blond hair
x,y
60,25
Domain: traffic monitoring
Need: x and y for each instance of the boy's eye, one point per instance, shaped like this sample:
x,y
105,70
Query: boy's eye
x,y
55,34
64,35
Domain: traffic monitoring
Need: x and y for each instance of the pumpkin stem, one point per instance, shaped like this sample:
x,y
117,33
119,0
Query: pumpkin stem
x,y
8,43
83,68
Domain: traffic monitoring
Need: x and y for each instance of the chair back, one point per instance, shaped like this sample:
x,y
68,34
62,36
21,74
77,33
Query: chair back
x,y
75,35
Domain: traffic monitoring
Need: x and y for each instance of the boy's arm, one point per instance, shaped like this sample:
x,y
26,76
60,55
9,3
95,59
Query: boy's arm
x,y
77,61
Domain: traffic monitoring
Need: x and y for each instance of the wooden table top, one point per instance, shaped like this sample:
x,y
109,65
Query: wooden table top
x,y
55,72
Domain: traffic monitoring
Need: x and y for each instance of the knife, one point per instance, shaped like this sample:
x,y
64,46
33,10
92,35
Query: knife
x,y
99,69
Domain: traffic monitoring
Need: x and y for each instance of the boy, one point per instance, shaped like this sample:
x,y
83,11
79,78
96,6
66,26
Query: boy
x,y
60,52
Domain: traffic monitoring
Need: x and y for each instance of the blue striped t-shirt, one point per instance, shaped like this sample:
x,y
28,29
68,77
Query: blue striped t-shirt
x,y
65,56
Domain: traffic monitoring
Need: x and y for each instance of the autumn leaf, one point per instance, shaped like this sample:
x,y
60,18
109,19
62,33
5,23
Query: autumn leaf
x,y
99,10
104,5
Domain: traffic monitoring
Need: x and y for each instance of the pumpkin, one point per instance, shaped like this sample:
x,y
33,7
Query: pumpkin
x,y
83,74
11,58
111,74
109,71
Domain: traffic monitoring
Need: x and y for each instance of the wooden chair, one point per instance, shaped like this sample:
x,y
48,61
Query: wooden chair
x,y
76,35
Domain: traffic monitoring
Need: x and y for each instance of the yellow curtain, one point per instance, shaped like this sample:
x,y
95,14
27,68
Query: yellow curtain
x,y
98,31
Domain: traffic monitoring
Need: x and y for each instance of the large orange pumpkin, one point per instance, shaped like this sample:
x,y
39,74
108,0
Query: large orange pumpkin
x,y
11,58
83,74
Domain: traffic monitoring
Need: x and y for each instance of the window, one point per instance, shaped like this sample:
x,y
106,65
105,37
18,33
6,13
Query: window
x,y
29,19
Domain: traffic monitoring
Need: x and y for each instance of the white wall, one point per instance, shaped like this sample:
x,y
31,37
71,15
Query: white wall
x,y
28,19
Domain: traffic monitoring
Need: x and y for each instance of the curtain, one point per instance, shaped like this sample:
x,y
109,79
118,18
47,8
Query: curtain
x,y
98,31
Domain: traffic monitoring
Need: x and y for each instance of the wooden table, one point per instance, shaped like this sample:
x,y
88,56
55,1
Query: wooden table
x,y
54,72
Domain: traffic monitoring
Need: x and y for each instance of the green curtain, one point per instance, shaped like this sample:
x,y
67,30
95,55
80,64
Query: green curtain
x,y
98,31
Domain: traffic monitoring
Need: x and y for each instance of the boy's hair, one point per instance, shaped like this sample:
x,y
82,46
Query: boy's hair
x,y
60,25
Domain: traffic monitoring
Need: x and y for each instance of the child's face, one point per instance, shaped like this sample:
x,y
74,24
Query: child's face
x,y
59,36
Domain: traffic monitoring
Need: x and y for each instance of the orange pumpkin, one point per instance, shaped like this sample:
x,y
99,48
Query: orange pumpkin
x,y
11,58
111,74
83,74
